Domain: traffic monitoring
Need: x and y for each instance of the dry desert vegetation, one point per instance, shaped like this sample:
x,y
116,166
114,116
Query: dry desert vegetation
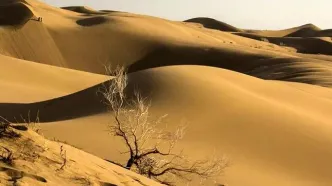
x,y
101,97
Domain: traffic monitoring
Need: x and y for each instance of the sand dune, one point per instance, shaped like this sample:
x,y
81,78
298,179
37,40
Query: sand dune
x,y
42,161
26,82
89,42
305,31
266,105
32,42
92,21
270,129
310,30
282,33
266,66
82,9
311,33
214,24
302,45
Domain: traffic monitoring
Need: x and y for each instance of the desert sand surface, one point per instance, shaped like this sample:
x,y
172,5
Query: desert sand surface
x,y
262,99
40,162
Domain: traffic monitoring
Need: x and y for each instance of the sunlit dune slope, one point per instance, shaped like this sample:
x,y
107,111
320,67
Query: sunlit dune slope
x,y
270,130
262,98
40,163
24,81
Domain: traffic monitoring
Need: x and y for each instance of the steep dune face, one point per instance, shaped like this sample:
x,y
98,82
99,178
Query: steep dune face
x,y
270,130
31,42
214,24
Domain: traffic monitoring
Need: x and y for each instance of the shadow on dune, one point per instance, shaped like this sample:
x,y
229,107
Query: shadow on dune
x,y
166,56
91,21
14,14
257,65
302,45
80,104
108,11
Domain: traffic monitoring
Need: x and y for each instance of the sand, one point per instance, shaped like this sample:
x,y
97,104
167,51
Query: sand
x,y
264,105
214,24
41,163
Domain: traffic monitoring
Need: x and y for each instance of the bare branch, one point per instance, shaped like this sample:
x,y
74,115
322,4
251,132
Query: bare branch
x,y
151,148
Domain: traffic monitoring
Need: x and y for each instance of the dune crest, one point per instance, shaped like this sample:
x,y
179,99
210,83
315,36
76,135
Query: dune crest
x,y
82,10
214,24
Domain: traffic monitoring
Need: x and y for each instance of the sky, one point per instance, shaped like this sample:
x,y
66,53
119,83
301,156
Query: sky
x,y
246,14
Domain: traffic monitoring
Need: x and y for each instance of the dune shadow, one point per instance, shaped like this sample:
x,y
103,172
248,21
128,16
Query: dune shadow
x,y
92,21
16,174
14,14
257,65
80,104
305,45
107,184
183,55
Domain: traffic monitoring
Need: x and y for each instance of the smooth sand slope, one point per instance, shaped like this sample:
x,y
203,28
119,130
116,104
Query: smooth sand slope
x,y
274,132
26,82
270,130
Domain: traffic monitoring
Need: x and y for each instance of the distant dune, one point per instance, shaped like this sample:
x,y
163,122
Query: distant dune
x,y
82,9
305,45
91,21
261,97
214,24
308,30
